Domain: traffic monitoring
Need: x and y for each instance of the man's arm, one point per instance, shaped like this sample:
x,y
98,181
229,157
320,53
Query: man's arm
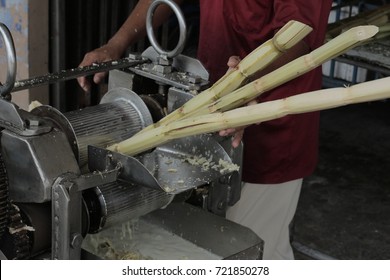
x,y
132,30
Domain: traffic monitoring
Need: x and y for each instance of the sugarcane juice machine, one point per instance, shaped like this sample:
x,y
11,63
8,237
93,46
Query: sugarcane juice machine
x,y
59,184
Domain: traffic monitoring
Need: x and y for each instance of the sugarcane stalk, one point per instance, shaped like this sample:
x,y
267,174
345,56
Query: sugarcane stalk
x,y
152,137
291,70
284,39
302,103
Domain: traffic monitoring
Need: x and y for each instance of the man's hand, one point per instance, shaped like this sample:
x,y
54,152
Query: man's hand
x,y
233,62
237,132
102,54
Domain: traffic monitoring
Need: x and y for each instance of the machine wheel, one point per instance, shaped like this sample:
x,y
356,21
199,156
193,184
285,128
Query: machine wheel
x,y
154,105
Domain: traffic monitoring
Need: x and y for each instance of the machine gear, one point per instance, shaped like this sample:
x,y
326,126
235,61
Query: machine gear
x,y
4,201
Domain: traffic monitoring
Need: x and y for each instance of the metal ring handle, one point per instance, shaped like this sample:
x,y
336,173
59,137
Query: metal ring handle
x,y
6,89
182,25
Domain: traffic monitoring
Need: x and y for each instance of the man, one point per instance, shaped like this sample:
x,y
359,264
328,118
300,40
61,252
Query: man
x,y
278,154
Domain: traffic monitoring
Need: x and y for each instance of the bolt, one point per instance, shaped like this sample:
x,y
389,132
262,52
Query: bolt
x,y
34,122
162,69
164,61
76,240
225,180
194,79
221,205
135,56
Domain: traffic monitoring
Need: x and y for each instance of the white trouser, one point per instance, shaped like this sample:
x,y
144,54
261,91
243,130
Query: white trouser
x,y
268,209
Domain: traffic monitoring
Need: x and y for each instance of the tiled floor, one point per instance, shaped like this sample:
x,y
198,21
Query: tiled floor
x,y
344,210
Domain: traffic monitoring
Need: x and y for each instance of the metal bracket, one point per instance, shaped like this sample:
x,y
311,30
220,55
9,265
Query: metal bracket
x,y
21,122
174,167
67,224
66,221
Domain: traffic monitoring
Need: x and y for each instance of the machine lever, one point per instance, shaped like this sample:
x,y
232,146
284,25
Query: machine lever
x,y
73,73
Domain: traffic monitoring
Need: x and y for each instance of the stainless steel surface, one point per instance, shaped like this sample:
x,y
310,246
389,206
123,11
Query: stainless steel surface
x,y
179,231
177,97
201,228
120,115
6,88
120,79
188,64
70,222
150,31
175,79
121,201
126,95
34,162
187,73
59,121
175,167
12,118
187,163
69,74
66,220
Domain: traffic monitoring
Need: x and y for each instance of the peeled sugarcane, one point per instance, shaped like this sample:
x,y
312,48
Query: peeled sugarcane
x,y
284,39
291,70
152,137
301,103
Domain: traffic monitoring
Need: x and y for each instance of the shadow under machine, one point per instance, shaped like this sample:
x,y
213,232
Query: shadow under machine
x,y
65,196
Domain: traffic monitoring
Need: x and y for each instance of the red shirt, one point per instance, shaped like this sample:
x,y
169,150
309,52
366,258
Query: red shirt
x,y
279,150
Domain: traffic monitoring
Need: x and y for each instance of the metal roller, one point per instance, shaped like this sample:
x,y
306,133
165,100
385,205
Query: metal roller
x,y
116,202
120,115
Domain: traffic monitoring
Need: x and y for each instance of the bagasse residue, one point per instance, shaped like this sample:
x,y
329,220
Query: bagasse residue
x,y
138,239
207,164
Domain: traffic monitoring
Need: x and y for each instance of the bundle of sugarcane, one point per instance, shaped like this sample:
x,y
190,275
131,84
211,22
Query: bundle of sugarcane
x,y
212,117
257,60
301,103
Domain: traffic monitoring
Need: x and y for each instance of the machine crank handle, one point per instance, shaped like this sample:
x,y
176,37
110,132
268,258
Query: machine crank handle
x,y
6,89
